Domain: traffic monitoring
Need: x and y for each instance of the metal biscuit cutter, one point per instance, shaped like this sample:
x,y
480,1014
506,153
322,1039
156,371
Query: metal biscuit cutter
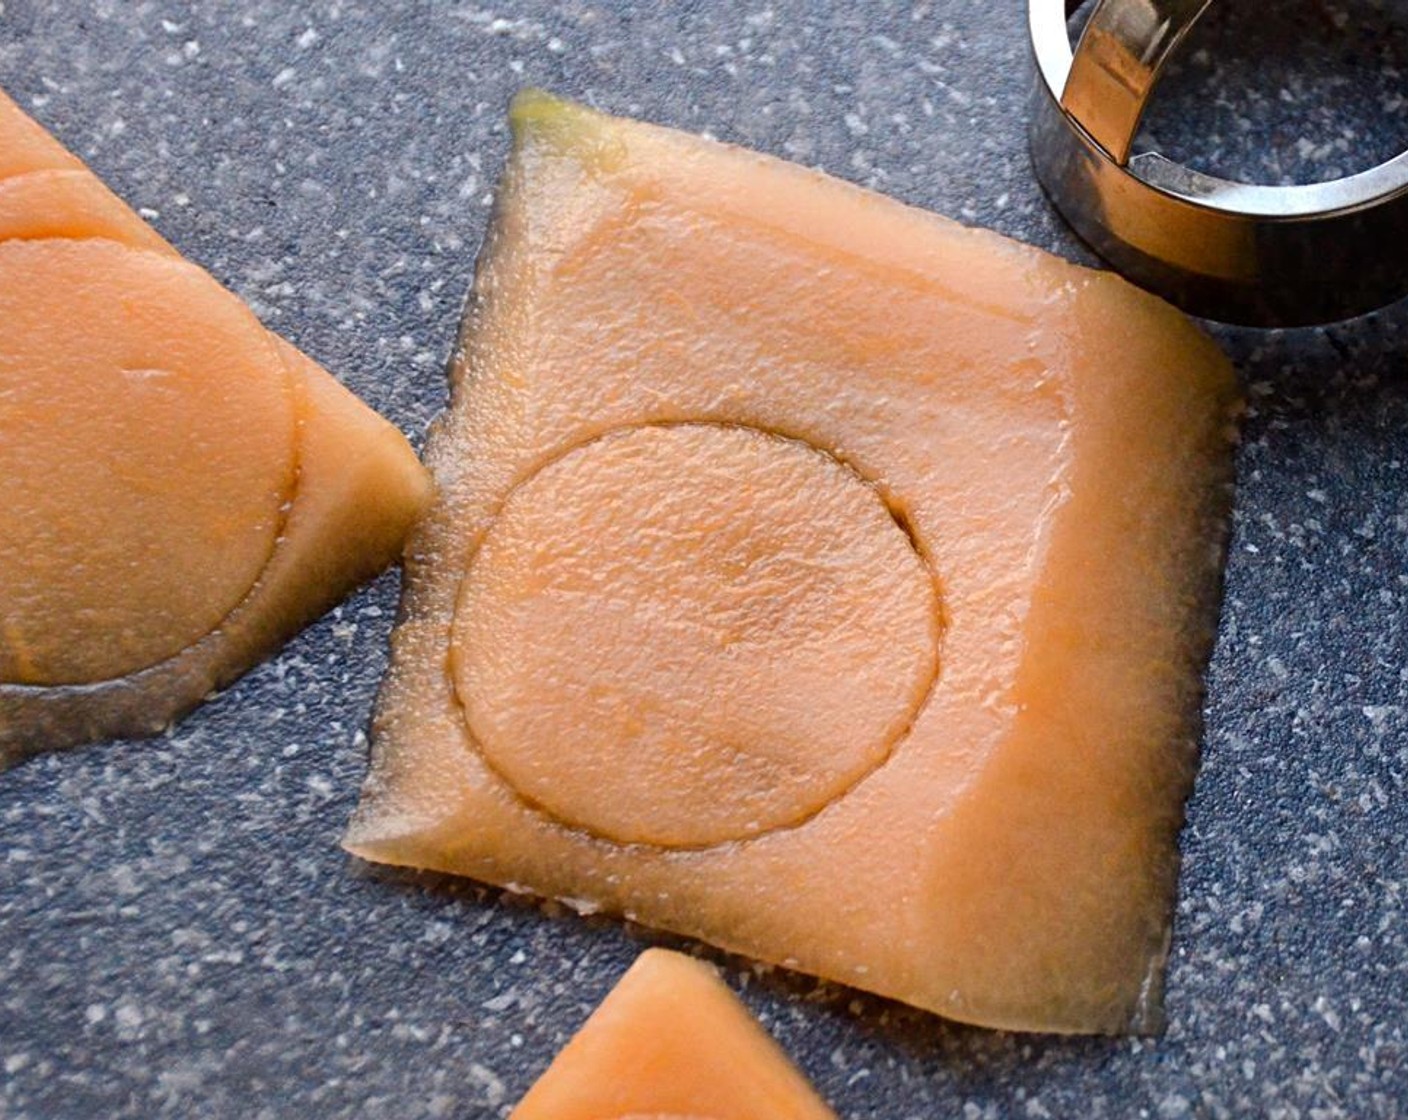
x,y
1235,252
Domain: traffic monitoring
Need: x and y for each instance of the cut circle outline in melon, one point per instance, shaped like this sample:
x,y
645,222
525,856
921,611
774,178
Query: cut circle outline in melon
x,y
287,494
890,642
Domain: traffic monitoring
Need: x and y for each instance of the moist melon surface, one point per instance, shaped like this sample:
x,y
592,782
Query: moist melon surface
x,y
671,1042
814,576
120,551
718,576
184,489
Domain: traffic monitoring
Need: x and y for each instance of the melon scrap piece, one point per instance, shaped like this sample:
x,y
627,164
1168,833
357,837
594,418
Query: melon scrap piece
x,y
671,1042
184,490
813,576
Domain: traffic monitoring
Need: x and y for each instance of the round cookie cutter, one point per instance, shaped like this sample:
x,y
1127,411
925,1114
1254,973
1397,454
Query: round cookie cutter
x,y
1235,252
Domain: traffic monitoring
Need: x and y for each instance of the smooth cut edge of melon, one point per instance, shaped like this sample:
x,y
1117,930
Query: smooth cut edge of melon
x,y
32,147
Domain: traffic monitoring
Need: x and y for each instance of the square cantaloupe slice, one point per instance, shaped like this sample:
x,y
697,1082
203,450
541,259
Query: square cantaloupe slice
x,y
813,576
671,1042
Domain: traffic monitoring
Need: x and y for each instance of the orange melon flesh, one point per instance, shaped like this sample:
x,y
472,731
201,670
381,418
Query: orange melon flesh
x,y
186,489
889,671
808,587
149,344
671,1042
70,204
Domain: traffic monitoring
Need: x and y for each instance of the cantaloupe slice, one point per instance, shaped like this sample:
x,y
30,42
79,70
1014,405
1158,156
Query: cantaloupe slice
x,y
814,576
671,1042
121,546
184,489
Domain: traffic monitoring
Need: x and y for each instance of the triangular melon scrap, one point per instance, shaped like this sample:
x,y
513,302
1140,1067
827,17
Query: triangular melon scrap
x,y
184,489
671,1041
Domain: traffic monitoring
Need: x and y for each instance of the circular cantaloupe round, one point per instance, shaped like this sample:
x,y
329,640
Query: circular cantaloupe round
x,y
683,635
147,447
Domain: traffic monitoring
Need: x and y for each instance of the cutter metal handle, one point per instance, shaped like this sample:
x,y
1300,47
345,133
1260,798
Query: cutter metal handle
x,y
1235,252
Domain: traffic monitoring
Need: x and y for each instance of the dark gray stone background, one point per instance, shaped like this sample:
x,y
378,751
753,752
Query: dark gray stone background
x,y
180,934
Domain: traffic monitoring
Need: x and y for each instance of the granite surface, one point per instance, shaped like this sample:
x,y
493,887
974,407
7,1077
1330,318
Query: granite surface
x,y
179,933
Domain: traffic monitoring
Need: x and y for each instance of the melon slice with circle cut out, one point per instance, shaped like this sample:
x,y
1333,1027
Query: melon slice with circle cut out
x,y
184,490
814,576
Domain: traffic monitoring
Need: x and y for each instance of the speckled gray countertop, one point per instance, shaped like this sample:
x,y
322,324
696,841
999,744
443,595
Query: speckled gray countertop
x,y
179,933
